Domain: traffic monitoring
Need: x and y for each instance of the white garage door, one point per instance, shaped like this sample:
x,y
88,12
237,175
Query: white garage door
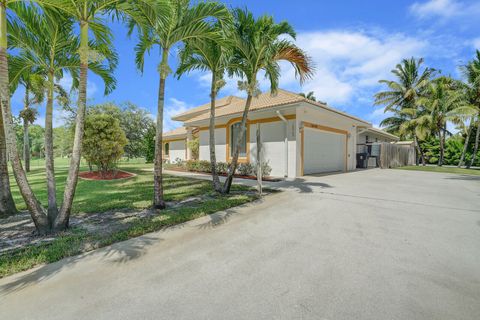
x,y
324,151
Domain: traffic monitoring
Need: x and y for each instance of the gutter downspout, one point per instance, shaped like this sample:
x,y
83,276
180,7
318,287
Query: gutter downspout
x,y
286,142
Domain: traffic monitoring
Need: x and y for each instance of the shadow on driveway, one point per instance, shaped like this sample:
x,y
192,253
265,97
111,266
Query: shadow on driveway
x,y
119,253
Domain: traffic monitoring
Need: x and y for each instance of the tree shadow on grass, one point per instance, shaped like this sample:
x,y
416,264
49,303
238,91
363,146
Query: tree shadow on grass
x,y
119,253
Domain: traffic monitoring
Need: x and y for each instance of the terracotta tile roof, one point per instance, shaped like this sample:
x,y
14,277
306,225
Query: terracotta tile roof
x,y
176,133
264,101
205,108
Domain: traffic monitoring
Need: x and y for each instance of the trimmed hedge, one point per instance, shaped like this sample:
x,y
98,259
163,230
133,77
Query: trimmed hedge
x,y
243,169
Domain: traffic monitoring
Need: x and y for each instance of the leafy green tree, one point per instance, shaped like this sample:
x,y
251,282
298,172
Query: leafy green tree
x,y
37,138
259,45
166,24
401,97
134,121
149,144
212,56
104,141
63,141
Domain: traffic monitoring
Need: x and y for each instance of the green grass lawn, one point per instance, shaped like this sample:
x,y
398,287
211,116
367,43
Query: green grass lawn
x,y
101,196
475,172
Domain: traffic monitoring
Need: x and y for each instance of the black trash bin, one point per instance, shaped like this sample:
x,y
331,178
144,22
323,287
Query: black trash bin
x,y
362,160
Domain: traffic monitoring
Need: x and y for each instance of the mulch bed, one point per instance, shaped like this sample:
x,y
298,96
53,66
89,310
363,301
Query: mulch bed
x,y
270,179
111,175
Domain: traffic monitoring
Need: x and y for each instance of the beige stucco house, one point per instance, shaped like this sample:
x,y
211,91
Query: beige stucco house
x,y
298,136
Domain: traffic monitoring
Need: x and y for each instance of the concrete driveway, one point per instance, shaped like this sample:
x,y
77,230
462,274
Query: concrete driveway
x,y
377,244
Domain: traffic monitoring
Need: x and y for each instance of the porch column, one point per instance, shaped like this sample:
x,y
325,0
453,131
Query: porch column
x,y
189,138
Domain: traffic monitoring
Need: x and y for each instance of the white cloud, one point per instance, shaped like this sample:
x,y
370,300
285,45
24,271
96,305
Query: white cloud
x,y
172,108
476,43
348,62
348,65
444,9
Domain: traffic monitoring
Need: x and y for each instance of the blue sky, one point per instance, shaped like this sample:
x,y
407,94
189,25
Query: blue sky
x,y
353,44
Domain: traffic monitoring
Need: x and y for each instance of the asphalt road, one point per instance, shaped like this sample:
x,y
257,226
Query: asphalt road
x,y
376,244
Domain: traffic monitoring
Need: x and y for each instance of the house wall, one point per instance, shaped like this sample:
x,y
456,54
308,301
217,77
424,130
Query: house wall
x,y
272,133
319,116
272,136
177,150
220,145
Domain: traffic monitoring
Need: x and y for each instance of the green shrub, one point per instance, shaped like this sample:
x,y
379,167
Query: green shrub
x,y
191,165
266,170
245,169
222,167
204,166
104,141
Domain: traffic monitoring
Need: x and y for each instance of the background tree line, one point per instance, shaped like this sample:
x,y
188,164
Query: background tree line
x,y
426,106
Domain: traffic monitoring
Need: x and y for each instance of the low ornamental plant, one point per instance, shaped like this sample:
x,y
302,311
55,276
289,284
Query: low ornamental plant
x,y
243,169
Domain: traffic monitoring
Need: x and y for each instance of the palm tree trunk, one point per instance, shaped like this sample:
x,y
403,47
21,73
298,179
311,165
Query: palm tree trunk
x,y
441,138
36,210
213,158
158,202
7,206
475,148
61,223
465,145
49,160
233,166
419,150
26,138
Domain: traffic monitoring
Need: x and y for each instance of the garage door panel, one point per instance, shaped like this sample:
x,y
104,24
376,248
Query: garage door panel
x,y
324,151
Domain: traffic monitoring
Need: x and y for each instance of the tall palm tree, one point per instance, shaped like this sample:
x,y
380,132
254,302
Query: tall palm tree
x,y
33,94
166,24
212,56
410,84
8,136
48,46
259,45
91,17
471,72
443,102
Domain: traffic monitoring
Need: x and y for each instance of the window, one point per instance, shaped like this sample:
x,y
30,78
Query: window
x,y
167,148
234,133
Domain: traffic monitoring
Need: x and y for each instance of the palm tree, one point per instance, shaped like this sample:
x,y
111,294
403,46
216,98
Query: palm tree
x,y
91,16
309,96
403,93
8,136
48,46
471,72
33,95
443,102
167,23
212,56
259,44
